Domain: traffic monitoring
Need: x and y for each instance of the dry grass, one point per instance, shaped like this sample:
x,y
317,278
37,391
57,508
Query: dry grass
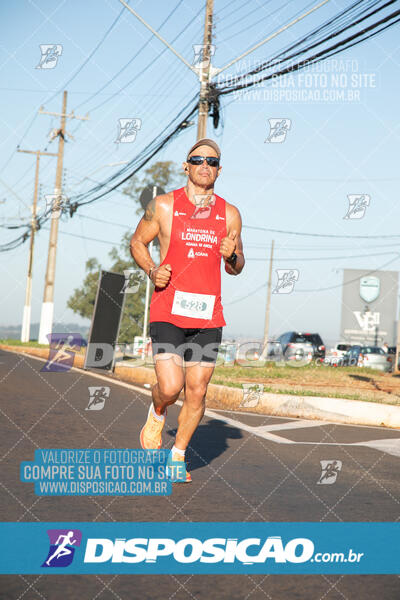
x,y
344,382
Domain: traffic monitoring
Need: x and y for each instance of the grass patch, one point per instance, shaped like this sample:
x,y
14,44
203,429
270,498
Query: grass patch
x,y
348,383
290,392
30,344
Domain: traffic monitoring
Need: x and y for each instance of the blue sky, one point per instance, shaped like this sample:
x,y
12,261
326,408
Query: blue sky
x,y
332,149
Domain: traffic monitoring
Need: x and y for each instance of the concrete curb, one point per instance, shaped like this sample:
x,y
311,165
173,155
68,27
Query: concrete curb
x,y
336,410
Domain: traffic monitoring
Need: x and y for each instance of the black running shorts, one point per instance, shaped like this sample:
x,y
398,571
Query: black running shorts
x,y
193,345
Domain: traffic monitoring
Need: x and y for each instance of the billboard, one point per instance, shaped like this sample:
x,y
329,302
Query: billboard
x,y
105,321
369,307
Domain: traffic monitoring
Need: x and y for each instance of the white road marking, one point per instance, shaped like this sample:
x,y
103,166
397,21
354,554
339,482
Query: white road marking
x,y
298,424
388,446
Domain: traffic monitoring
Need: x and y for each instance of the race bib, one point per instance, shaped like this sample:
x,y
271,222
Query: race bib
x,y
196,306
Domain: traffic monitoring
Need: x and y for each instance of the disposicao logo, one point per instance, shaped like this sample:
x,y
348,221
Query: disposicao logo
x,y
62,547
191,550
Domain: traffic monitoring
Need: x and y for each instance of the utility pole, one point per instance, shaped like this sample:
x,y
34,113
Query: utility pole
x,y
268,307
209,72
46,319
26,318
205,71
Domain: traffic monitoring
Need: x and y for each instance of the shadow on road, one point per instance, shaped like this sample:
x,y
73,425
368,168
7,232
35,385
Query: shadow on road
x,y
209,441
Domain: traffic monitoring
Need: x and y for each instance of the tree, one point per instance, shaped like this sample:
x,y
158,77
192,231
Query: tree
x,y
83,299
166,175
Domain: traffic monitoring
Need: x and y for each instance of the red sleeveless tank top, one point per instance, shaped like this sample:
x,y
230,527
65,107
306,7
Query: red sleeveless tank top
x,y
192,298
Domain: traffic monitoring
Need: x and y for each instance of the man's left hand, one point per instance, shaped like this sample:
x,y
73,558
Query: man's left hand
x,y
228,245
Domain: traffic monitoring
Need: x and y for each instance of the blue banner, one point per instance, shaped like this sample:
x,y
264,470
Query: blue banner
x,y
150,548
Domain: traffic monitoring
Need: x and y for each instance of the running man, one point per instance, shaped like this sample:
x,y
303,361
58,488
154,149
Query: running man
x,y
62,549
195,228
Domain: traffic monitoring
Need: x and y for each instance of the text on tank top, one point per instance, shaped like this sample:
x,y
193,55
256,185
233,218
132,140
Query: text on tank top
x,y
192,298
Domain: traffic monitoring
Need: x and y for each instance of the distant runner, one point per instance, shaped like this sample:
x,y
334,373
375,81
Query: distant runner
x,y
195,228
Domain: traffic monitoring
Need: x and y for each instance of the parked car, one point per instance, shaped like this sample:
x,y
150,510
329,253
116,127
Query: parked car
x,y
368,356
337,353
293,341
295,346
392,352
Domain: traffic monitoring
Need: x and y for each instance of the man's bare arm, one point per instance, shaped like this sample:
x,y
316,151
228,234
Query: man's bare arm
x,y
234,226
147,229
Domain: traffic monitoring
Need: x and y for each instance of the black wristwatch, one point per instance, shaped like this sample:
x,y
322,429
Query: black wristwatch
x,y
232,259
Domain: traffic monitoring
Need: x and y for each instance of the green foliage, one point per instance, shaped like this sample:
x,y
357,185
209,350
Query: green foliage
x,y
83,299
166,175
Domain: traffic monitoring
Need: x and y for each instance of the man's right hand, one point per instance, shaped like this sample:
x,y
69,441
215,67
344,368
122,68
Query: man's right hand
x,y
161,276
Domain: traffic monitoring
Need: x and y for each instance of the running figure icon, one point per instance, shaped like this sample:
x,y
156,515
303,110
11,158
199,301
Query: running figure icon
x,y
62,349
62,549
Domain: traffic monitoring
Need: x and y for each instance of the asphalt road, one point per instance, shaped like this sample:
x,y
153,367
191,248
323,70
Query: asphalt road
x,y
245,467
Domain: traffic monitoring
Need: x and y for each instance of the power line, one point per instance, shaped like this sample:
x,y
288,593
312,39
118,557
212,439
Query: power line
x,y
152,154
141,159
332,287
321,248
313,258
340,285
65,84
227,89
151,107
90,55
268,16
19,143
242,18
242,81
352,21
103,221
288,248
174,128
129,62
84,237
321,235
228,5
342,18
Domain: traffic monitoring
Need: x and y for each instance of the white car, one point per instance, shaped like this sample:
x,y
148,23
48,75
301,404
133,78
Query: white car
x,y
368,356
337,353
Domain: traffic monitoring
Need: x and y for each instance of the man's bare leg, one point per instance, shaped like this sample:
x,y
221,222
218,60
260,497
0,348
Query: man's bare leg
x,y
170,381
197,377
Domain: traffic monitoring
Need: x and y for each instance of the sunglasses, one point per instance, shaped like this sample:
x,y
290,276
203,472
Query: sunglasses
x,y
212,161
